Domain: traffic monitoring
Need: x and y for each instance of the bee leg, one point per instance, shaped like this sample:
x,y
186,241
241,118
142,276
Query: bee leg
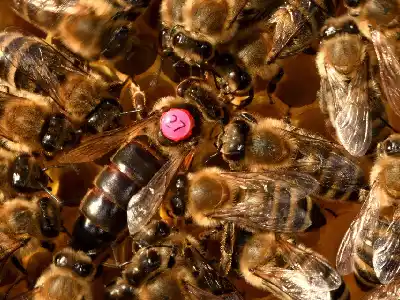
x,y
331,212
287,118
227,247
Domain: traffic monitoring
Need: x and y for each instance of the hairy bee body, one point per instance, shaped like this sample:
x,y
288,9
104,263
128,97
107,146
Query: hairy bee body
x,y
270,144
92,31
349,83
208,191
30,65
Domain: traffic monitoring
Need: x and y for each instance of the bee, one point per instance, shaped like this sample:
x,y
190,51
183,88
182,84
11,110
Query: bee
x,y
193,29
296,26
25,220
34,126
288,270
379,23
172,269
350,89
251,144
255,201
377,222
68,277
104,29
131,188
29,65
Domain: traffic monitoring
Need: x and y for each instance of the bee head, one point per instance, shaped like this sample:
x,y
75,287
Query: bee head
x,y
78,262
331,29
105,116
116,41
389,147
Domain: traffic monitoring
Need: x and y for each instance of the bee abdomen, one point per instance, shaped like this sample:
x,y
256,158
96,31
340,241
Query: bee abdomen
x,y
363,267
341,293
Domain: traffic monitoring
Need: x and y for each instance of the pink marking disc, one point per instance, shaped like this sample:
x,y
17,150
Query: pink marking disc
x,y
176,124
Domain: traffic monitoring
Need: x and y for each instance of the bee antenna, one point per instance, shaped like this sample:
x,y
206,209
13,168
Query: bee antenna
x,y
61,166
130,111
51,195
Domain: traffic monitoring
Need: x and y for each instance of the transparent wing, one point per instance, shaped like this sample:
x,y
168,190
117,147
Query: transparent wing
x,y
144,204
291,282
100,144
364,222
298,183
389,69
386,252
277,207
351,114
390,291
320,275
328,159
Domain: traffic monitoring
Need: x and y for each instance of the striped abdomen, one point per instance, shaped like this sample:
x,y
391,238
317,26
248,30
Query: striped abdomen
x,y
103,209
332,187
295,215
363,267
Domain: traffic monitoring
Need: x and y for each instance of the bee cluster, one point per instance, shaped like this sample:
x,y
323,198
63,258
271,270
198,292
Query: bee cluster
x,y
145,153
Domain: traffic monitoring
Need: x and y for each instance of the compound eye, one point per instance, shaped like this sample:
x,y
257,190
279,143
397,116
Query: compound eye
x,y
61,260
352,3
205,50
351,27
177,124
83,269
151,262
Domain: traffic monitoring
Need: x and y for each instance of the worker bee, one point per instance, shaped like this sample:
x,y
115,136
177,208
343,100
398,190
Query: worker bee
x,y
68,277
29,65
131,188
249,144
296,26
350,91
34,125
376,225
288,270
379,23
94,30
25,220
255,201
174,268
193,29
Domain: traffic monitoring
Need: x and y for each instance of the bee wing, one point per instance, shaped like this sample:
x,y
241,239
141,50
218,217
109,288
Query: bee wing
x,y
351,114
272,211
389,291
9,246
99,144
389,69
42,64
291,282
285,31
299,183
201,294
318,272
208,276
338,168
144,204
386,252
364,223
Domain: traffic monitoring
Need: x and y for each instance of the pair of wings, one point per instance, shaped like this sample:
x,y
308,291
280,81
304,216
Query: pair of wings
x,y
307,275
271,189
386,245
41,64
389,68
349,109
